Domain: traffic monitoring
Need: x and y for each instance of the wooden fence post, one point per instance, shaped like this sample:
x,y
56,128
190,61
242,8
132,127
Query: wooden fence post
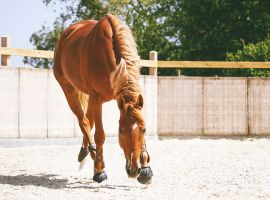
x,y
153,55
5,59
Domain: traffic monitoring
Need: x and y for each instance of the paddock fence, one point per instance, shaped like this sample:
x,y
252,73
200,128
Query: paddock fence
x,y
32,104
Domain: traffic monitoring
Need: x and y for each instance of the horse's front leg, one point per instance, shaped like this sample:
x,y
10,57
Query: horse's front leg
x,y
99,172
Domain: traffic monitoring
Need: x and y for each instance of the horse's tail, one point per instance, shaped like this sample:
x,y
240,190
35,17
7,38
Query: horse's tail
x,y
126,53
84,101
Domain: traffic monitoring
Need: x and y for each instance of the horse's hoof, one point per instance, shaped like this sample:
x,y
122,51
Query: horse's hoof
x,y
82,154
132,173
145,176
99,177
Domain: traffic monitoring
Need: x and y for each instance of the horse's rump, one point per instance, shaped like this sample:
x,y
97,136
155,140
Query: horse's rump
x,y
68,53
85,56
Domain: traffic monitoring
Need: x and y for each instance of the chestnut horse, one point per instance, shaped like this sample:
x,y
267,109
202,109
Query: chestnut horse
x,y
95,62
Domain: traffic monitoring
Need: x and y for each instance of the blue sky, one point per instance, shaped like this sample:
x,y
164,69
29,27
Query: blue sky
x,y
20,18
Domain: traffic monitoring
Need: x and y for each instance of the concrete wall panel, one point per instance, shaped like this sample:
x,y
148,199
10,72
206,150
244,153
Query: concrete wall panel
x,y
225,106
9,102
259,106
33,103
179,106
110,118
149,91
61,120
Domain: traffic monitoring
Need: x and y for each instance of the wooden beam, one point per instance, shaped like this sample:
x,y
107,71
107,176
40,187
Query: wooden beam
x,y
6,51
26,52
5,59
148,63
153,55
212,64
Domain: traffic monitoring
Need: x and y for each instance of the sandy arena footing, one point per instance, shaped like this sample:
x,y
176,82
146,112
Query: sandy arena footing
x,y
183,169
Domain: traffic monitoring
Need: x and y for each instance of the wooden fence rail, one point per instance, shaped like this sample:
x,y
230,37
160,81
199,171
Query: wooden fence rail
x,y
26,52
153,63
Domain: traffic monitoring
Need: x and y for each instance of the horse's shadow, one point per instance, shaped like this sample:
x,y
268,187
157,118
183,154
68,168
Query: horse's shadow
x,y
52,181
49,181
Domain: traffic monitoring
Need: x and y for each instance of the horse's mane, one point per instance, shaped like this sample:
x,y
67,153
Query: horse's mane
x,y
125,78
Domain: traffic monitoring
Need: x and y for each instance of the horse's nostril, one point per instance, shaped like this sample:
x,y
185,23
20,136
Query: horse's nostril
x,y
143,130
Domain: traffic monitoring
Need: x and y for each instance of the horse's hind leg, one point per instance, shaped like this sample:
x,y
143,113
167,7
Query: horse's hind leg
x,y
73,98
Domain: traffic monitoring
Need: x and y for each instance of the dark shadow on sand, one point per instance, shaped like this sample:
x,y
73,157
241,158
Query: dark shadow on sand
x,y
49,181
52,181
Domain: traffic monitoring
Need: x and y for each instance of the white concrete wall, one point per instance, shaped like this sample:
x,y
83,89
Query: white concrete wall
x,y
9,102
61,121
202,106
150,113
259,106
224,106
179,106
32,105
110,118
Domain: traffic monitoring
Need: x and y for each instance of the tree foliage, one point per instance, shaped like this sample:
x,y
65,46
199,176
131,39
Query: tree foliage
x,y
46,38
177,29
251,52
152,25
211,28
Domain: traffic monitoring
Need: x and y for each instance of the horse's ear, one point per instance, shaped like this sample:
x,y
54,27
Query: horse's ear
x,y
140,101
121,103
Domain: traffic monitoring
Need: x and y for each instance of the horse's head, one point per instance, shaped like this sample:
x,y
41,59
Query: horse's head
x,y
131,128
